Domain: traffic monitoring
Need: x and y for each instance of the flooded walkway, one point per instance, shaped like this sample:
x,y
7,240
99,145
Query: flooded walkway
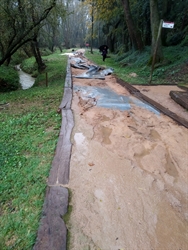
x,y
128,172
125,166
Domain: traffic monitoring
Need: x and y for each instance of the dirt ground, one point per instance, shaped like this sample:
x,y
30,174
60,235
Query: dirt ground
x,y
128,173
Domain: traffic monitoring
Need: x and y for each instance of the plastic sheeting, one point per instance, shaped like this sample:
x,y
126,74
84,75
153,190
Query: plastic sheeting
x,y
105,97
93,72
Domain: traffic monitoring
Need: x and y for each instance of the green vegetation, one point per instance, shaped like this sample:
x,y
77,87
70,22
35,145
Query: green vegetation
x,y
173,70
54,69
30,66
9,79
66,219
29,128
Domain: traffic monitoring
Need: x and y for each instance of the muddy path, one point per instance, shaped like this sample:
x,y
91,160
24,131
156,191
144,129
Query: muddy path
x,y
128,173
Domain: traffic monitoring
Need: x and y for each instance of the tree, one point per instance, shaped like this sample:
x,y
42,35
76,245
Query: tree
x,y
92,24
111,19
102,22
50,35
91,9
134,33
157,52
20,21
37,55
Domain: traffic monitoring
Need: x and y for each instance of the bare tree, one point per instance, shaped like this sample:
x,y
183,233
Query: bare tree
x,y
20,21
134,33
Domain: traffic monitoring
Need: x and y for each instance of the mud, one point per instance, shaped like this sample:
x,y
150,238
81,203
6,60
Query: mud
x,y
128,173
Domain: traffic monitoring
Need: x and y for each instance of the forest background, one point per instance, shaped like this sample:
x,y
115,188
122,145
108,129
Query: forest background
x,y
36,28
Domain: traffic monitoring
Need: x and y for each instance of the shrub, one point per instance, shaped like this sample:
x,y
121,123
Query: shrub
x,y
9,79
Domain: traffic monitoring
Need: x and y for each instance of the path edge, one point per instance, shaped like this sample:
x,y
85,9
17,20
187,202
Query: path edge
x,y
135,92
52,231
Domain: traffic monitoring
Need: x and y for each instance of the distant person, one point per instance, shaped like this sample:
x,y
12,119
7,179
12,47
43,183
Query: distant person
x,y
104,53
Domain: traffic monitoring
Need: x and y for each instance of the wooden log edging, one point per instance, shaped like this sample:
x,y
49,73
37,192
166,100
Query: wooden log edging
x,y
52,232
135,92
180,97
59,173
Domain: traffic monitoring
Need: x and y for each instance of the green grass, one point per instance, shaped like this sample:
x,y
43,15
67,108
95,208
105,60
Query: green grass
x,y
175,59
30,66
66,219
9,79
54,70
119,67
29,129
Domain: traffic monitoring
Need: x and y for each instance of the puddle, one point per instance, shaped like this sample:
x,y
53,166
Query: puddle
x,y
106,132
106,98
170,167
99,194
79,138
81,145
105,118
154,135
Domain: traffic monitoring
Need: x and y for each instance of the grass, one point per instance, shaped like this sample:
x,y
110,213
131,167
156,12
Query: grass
x,y
29,129
66,219
30,66
171,71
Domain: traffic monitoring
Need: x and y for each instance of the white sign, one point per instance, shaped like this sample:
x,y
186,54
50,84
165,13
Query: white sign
x,y
168,25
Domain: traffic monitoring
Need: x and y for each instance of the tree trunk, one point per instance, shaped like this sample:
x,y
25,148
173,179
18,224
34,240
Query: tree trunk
x,y
60,48
27,50
92,24
17,37
156,41
111,37
132,29
36,52
7,62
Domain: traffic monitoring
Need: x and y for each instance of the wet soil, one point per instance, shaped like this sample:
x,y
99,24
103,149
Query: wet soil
x,y
128,173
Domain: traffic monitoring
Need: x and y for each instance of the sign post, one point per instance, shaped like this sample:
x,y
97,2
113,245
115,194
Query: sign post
x,y
155,51
163,24
168,25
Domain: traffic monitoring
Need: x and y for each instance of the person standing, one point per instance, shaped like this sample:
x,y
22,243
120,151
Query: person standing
x,y
104,53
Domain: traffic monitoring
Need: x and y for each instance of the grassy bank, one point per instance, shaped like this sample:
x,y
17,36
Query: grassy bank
x,y
133,67
29,128
9,79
